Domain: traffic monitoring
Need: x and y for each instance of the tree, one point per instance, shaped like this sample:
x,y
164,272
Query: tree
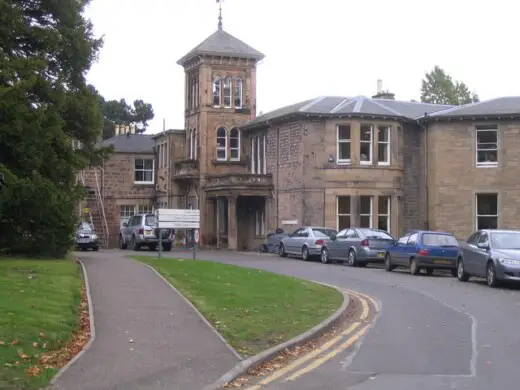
x,y
46,48
439,88
119,112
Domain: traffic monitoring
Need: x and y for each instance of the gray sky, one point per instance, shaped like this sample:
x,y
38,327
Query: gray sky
x,y
312,48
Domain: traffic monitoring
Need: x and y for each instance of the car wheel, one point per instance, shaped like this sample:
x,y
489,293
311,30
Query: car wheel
x,y
167,247
135,245
152,247
461,274
305,253
491,276
122,244
95,249
352,261
414,269
325,256
388,263
429,271
281,251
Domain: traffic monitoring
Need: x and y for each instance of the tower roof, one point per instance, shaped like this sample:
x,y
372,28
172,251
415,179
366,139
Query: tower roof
x,y
221,43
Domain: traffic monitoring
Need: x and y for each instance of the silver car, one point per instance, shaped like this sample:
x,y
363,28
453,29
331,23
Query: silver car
x,y
493,254
306,242
357,246
141,231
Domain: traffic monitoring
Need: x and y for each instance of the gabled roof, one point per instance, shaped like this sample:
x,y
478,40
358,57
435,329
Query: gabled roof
x,y
221,43
501,106
335,106
130,143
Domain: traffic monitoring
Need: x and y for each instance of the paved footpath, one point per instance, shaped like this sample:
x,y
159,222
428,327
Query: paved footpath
x,y
147,336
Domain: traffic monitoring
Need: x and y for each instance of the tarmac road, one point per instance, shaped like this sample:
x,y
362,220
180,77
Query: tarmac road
x,y
433,332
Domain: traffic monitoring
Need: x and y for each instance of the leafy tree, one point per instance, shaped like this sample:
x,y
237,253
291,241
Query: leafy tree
x,y
46,48
121,113
439,88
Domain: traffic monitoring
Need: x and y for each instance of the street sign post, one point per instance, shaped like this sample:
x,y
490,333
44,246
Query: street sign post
x,y
178,219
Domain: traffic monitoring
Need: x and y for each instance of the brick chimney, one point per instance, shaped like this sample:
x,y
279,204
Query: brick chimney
x,y
383,94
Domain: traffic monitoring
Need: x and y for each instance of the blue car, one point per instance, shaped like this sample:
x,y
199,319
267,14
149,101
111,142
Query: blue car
x,y
421,249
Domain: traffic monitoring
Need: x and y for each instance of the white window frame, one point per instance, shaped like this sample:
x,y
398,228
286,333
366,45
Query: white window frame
x,y
227,92
145,208
238,92
485,164
386,215
253,160
370,145
370,224
349,215
387,143
126,211
477,215
258,163
225,147
217,85
264,166
237,149
260,223
145,170
339,141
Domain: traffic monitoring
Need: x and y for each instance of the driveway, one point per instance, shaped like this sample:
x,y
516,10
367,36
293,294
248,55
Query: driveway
x,y
433,332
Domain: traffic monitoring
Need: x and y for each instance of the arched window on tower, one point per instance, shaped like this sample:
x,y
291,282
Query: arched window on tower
x,y
237,94
188,144
217,91
234,144
221,144
195,141
227,92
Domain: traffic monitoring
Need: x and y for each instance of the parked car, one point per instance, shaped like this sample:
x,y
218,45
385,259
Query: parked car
x,y
305,242
428,250
141,230
493,254
86,237
357,246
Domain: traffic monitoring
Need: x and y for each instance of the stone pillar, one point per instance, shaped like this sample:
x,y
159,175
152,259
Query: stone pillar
x,y
354,210
232,222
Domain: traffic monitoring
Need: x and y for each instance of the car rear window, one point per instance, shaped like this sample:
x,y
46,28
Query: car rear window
x,y
150,220
432,239
370,233
323,232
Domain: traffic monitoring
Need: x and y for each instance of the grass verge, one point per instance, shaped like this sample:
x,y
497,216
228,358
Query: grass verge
x,y
253,310
39,304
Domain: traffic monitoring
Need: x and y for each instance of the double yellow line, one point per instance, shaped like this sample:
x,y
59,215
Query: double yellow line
x,y
322,354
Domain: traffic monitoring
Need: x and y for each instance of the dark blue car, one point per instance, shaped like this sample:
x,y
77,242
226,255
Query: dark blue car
x,y
428,250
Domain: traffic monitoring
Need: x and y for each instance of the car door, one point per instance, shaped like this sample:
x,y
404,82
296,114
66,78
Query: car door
x,y
334,246
127,229
480,255
469,254
410,249
397,251
291,242
344,244
305,237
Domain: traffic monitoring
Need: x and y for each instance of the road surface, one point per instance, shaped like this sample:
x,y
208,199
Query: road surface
x,y
433,332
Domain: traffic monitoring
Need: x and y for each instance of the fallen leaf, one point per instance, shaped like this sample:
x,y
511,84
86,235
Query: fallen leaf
x,y
2,342
35,345
42,334
23,355
131,341
34,371
15,342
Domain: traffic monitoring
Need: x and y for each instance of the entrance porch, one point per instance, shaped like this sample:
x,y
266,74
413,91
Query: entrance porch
x,y
237,222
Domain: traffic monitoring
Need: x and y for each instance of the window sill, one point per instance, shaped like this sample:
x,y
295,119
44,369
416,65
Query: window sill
x,y
143,184
230,162
344,162
487,166
383,164
366,163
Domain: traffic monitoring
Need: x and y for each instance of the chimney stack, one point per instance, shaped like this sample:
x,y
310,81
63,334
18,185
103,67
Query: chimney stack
x,y
379,86
383,94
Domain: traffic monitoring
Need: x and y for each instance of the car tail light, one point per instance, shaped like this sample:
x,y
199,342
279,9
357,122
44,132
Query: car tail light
x,y
140,231
423,252
365,243
319,242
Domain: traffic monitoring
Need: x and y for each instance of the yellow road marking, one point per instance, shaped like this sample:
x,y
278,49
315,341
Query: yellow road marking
x,y
303,359
318,362
372,300
364,313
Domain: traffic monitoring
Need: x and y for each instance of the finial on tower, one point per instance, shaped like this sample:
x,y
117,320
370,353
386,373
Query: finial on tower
x,y
219,2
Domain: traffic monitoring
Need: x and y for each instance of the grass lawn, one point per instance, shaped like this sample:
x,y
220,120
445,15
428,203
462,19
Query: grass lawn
x,y
253,310
39,301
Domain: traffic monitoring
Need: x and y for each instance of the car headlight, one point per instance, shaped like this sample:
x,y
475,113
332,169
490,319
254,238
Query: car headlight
x,y
509,262
94,237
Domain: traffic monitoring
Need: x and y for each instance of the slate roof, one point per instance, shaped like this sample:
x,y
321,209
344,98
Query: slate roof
x,y
335,106
133,143
501,106
221,43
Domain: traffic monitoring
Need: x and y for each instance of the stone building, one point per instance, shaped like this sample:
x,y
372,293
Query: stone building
x,y
330,161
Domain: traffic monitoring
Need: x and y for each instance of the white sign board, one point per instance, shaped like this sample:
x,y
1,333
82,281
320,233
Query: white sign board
x,y
177,219
290,222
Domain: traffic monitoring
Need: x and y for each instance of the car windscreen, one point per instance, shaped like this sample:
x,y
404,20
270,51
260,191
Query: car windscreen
x,y
372,233
505,240
323,233
85,227
432,239
150,220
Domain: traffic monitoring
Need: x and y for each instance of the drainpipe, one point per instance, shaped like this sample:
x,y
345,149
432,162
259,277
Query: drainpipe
x,y
425,171
277,169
